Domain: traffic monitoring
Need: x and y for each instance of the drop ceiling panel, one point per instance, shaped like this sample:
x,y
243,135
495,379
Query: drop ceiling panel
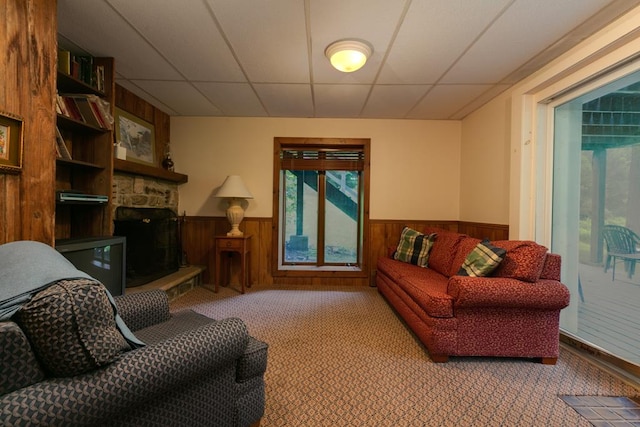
x,y
392,101
340,100
444,100
134,58
182,97
373,21
268,37
281,100
524,30
433,35
209,60
233,99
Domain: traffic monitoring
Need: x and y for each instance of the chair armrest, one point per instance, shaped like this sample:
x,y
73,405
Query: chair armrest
x,y
253,362
507,293
143,309
137,376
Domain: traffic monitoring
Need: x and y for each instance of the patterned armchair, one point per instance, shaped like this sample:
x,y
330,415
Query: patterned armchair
x,y
194,371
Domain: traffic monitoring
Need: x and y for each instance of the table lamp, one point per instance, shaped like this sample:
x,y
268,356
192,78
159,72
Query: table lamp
x,y
234,190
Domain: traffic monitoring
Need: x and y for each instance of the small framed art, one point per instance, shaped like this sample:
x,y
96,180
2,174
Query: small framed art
x,y
11,135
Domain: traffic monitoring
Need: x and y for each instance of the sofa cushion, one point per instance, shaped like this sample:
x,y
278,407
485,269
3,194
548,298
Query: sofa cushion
x,y
414,247
444,250
71,326
18,365
393,268
482,260
524,260
428,289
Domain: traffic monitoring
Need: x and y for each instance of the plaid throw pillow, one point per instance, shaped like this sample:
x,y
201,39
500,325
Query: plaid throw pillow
x,y
482,260
414,247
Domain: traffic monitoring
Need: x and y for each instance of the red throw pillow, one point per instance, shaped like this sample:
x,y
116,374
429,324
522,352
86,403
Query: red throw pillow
x,y
443,251
524,260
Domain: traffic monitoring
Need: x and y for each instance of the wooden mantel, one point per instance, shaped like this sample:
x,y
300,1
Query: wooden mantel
x,y
125,166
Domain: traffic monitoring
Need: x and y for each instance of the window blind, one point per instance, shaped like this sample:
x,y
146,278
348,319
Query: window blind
x,y
322,159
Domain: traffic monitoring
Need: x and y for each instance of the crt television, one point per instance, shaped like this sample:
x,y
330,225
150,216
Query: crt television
x,y
103,258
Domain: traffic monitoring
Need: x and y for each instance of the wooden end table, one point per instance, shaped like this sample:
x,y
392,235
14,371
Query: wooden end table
x,y
241,245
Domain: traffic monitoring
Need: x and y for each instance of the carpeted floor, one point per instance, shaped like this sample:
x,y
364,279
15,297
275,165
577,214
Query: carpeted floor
x,y
340,356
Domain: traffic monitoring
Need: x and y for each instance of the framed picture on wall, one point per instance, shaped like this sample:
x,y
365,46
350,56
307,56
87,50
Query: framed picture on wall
x,y
137,136
10,143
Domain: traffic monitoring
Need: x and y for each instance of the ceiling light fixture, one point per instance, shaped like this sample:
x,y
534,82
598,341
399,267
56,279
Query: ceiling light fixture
x,y
348,55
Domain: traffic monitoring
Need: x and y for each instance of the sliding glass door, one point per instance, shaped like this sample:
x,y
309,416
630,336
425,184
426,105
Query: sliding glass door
x,y
596,213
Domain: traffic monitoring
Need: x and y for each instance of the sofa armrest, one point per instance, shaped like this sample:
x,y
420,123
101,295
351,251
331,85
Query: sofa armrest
x,y
137,376
143,309
506,292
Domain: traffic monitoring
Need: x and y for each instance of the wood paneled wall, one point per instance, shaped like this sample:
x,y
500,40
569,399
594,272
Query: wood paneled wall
x,y
484,231
27,89
199,244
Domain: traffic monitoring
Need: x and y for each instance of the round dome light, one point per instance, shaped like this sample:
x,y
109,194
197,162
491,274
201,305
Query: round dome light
x,y
348,55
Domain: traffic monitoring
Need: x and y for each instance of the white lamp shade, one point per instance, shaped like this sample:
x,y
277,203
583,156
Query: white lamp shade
x,y
233,187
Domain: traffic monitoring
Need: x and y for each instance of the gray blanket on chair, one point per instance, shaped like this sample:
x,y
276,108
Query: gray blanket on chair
x,y
27,267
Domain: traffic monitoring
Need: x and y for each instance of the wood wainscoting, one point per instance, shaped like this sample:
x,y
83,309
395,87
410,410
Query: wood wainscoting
x,y
199,244
484,231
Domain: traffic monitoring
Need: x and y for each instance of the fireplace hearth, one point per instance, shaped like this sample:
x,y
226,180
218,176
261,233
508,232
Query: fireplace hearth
x,y
152,242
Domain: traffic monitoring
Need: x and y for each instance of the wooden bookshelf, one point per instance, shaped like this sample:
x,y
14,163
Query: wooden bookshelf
x,y
90,168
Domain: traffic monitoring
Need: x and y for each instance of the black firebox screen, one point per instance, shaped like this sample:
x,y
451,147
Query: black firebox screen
x,y
152,242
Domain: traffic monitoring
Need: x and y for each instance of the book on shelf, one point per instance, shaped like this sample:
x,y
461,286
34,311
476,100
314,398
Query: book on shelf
x,y
64,61
86,108
69,108
81,67
58,153
61,146
86,111
100,77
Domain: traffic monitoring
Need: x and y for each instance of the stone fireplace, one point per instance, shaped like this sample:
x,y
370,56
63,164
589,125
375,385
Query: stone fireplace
x,y
145,211
143,192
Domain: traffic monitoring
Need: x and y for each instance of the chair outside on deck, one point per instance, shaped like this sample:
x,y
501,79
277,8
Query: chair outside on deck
x,y
622,244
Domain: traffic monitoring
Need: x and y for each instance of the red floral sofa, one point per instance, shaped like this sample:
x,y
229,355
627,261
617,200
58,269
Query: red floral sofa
x,y
513,312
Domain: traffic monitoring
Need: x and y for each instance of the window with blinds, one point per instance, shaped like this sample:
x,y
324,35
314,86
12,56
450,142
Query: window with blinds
x,y
321,195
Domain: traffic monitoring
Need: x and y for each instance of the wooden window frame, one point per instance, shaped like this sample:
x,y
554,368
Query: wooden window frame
x,y
287,143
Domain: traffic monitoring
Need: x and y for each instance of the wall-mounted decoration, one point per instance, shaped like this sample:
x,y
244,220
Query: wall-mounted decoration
x,y
10,143
137,136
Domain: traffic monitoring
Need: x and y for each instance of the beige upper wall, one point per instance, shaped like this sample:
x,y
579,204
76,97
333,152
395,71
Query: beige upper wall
x,y
415,165
484,192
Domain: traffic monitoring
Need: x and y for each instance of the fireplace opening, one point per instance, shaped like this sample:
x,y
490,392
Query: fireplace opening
x,y
152,242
